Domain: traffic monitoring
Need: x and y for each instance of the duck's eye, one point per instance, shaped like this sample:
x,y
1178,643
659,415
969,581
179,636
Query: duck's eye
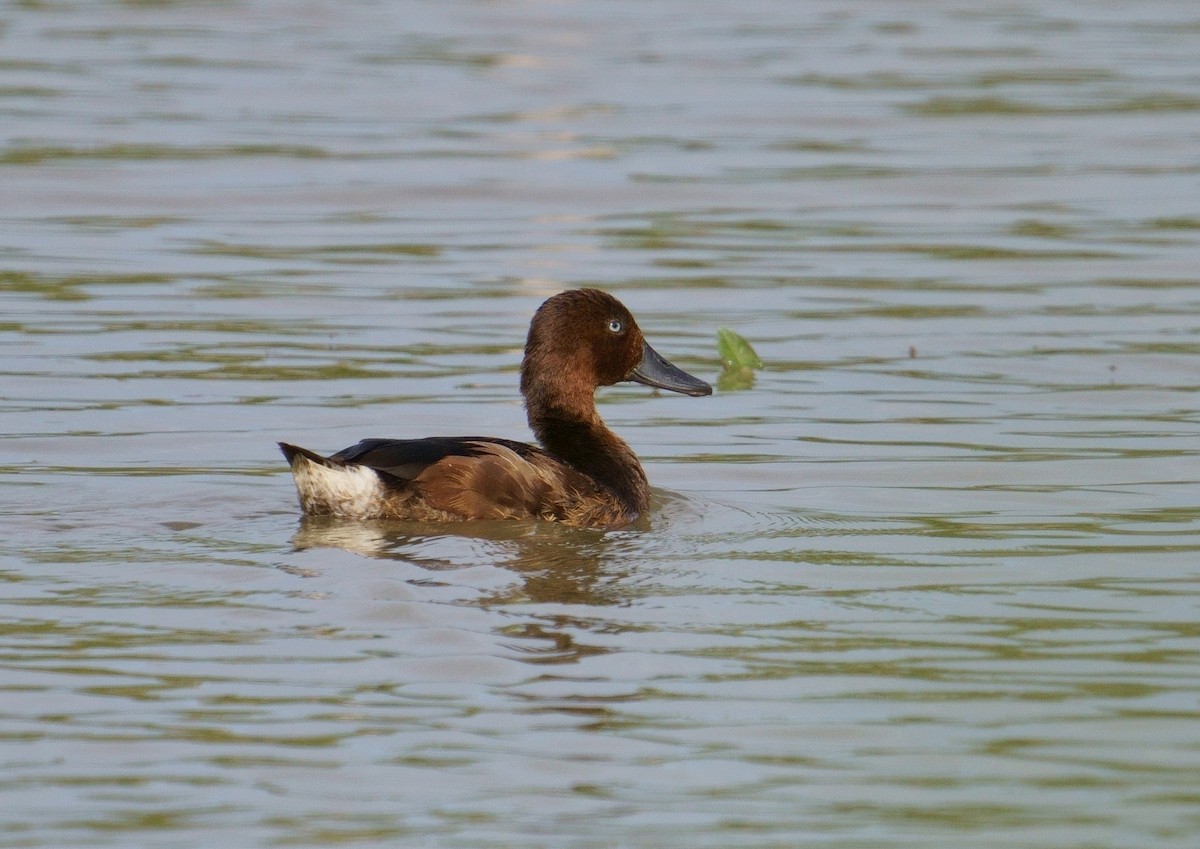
x,y
615,325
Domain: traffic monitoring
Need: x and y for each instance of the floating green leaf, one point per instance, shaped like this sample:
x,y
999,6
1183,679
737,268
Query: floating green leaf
x,y
735,351
740,361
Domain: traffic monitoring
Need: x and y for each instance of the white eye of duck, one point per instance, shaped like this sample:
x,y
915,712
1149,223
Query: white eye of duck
x,y
615,325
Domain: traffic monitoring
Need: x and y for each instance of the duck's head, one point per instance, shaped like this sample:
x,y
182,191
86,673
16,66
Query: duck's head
x,y
585,338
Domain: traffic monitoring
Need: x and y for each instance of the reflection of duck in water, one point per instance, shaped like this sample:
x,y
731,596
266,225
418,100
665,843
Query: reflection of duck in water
x,y
545,562
583,475
544,585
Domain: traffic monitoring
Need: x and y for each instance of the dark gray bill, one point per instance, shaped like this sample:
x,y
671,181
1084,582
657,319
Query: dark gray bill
x,y
653,370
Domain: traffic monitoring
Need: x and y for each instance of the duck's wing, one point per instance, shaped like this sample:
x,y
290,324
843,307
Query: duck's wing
x,y
476,477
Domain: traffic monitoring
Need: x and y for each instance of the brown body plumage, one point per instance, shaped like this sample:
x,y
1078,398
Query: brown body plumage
x,y
583,475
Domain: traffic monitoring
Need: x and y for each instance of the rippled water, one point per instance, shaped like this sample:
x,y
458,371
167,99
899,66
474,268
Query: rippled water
x,y
932,580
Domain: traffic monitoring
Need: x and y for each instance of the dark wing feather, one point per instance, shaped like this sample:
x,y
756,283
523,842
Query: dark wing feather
x,y
408,458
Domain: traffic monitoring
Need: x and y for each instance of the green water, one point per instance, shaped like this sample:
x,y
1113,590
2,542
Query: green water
x,y
929,578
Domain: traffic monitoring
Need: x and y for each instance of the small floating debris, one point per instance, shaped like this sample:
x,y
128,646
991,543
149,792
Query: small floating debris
x,y
740,361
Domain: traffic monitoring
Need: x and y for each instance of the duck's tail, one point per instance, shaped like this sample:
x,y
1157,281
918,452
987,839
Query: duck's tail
x,y
291,452
327,487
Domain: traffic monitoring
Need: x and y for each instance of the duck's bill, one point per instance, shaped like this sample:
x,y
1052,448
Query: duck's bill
x,y
654,371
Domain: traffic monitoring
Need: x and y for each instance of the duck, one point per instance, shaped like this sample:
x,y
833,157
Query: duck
x,y
580,473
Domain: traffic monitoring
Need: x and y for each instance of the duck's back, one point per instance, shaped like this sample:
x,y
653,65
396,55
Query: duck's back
x,y
408,458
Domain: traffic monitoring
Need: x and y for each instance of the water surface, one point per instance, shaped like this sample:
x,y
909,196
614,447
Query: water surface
x,y
931,580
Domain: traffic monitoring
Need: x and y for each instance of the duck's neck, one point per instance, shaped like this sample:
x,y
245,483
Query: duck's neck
x,y
581,440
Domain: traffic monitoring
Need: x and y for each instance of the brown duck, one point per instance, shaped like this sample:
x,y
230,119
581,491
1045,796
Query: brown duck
x,y
583,475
